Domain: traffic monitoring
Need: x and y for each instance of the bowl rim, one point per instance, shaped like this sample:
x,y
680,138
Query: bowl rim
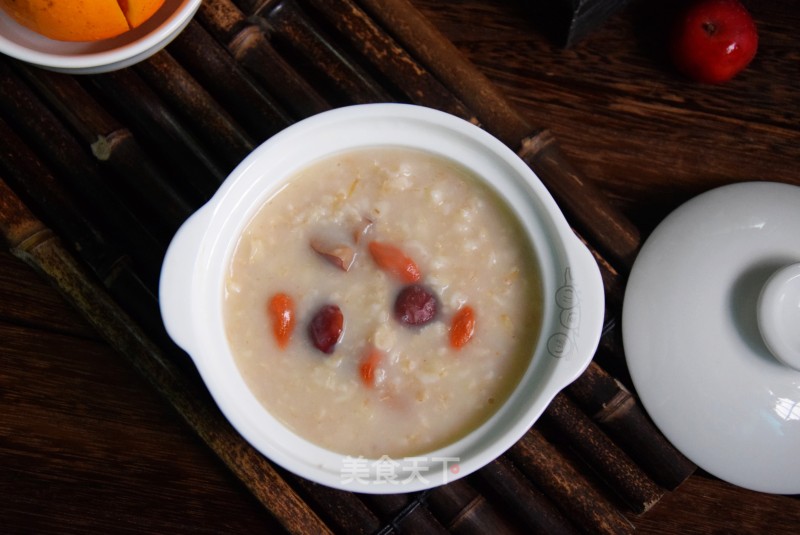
x,y
214,228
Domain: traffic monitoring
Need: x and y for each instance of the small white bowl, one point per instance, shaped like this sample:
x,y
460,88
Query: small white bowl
x,y
192,281
94,57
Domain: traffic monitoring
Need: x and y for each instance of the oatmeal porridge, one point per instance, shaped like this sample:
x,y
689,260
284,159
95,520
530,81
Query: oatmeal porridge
x,y
383,302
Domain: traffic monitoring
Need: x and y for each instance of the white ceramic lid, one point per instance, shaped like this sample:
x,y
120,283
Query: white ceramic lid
x,y
714,289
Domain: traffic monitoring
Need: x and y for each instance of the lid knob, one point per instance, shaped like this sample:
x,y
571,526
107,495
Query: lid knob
x,y
779,315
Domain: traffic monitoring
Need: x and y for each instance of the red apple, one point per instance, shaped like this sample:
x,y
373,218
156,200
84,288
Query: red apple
x,y
713,40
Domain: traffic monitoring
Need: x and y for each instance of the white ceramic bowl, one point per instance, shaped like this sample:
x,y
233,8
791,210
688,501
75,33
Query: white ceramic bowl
x,y
191,289
93,57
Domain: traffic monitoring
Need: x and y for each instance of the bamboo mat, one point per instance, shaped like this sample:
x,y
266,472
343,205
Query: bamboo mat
x,y
99,171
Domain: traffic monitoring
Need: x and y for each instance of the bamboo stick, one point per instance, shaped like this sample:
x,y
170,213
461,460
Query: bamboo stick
x,y
212,65
27,174
223,19
255,52
343,511
582,202
246,42
613,466
194,173
546,466
63,154
204,116
404,513
617,412
35,244
536,512
464,511
113,145
388,57
290,27
422,39
613,280
23,169
255,7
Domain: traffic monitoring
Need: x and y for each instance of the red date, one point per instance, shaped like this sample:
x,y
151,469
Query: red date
x,y
415,305
325,328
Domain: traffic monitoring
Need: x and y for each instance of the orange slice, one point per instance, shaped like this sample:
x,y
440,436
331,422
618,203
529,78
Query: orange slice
x,y
80,20
139,11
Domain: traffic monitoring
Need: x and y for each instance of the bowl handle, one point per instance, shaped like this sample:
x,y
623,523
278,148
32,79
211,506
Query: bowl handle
x,y
580,302
175,287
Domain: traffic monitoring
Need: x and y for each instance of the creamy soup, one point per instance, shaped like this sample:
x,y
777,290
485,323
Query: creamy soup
x,y
383,302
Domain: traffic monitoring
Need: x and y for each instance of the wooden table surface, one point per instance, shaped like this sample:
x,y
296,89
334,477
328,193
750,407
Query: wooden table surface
x,y
88,446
